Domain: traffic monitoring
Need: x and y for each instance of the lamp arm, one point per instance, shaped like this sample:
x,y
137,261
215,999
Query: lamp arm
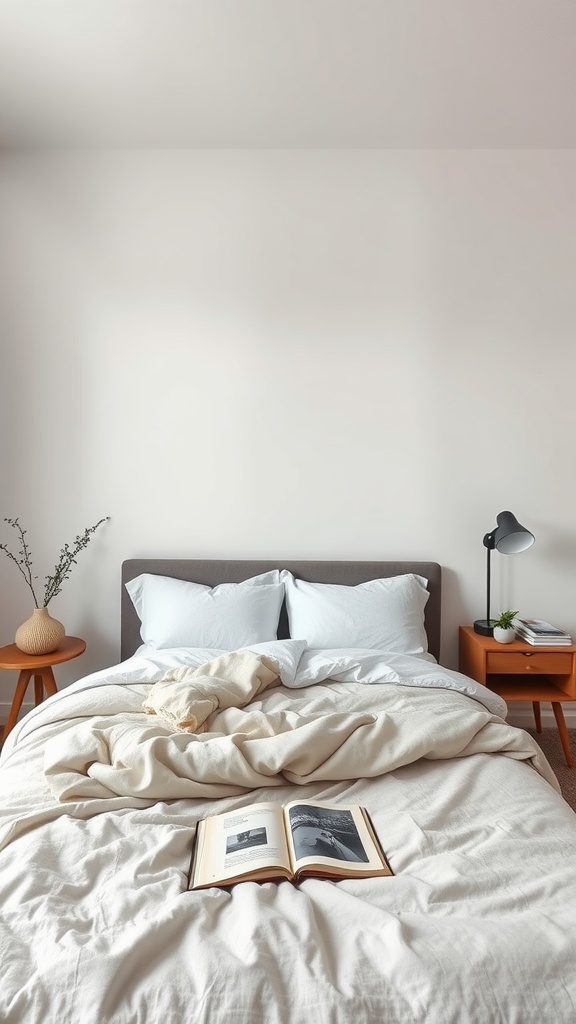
x,y
488,553
489,543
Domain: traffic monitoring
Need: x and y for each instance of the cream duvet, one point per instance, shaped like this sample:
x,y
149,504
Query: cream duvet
x,y
99,801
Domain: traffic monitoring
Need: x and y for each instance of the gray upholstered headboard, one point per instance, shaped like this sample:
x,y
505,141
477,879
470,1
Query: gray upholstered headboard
x,y
210,572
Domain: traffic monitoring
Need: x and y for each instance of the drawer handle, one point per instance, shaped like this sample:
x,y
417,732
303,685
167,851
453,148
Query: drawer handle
x,y
528,668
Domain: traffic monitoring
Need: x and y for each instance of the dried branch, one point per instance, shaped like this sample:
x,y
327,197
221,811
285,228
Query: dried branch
x,y
63,567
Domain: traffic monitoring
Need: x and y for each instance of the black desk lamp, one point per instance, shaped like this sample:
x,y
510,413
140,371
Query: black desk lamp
x,y
508,538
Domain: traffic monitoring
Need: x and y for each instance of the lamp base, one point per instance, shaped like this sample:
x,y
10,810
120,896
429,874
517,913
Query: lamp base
x,y
484,626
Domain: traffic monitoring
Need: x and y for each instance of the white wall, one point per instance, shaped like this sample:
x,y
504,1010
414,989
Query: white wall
x,y
348,354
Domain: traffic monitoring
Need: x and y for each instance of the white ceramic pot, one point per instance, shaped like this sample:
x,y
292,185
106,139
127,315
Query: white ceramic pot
x,y
504,636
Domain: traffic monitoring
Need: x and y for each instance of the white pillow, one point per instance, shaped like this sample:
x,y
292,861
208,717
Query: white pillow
x,y
383,615
176,613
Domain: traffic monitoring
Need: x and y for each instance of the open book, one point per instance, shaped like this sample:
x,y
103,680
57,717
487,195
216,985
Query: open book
x,y
266,842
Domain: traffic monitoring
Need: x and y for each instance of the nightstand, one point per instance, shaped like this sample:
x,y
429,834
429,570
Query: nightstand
x,y
39,666
519,671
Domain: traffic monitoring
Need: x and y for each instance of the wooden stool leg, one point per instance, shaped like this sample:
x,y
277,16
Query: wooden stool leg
x,y
563,731
21,687
537,719
47,677
38,689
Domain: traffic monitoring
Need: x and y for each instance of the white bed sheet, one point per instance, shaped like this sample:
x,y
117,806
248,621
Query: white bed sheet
x,y
477,924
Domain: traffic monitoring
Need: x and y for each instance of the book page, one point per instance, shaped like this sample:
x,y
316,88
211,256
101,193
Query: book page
x,y
242,842
335,837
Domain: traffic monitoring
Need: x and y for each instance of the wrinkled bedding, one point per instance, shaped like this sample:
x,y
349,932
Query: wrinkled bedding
x,y
186,697
98,802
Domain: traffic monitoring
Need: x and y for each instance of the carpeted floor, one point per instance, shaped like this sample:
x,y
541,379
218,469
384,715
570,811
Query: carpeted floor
x,y
549,740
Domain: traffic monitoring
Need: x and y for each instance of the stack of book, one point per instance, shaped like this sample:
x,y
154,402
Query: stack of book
x,y
541,633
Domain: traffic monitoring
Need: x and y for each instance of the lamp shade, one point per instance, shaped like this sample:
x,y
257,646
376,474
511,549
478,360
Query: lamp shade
x,y
509,536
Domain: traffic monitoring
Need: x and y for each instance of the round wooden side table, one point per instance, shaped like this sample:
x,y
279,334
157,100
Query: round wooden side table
x,y
39,666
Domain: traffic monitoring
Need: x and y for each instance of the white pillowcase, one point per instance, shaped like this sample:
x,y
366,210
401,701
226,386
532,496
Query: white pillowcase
x,y
383,614
176,613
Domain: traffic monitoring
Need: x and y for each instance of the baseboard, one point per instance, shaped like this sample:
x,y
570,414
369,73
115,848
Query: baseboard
x,y
522,715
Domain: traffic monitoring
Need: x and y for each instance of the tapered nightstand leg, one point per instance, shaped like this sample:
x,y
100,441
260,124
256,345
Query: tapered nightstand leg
x,y
48,680
44,680
38,689
537,719
563,731
21,687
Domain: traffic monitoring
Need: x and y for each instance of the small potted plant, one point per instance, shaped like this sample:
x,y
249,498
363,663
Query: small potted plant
x,y
504,631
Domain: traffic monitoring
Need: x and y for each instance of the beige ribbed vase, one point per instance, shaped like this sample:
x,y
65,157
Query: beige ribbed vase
x,y
40,634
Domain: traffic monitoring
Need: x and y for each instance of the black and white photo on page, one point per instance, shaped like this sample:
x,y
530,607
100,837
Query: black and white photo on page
x,y
319,832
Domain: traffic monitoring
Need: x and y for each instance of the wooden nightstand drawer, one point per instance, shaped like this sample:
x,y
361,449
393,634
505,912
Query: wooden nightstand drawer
x,y
543,662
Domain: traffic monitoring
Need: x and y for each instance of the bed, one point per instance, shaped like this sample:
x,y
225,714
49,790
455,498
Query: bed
x,y
99,800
